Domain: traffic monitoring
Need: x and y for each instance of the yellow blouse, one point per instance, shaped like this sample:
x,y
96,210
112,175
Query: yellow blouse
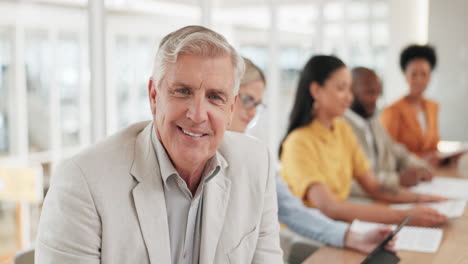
x,y
315,154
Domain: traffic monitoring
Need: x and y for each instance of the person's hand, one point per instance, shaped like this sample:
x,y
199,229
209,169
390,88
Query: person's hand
x,y
433,158
425,216
427,198
368,241
412,176
452,159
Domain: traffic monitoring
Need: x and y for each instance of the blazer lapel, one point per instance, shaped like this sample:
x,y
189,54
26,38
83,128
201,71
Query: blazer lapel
x,y
215,202
150,204
379,140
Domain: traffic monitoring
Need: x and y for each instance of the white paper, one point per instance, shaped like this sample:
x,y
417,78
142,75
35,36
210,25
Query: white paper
x,y
452,188
458,150
451,208
409,238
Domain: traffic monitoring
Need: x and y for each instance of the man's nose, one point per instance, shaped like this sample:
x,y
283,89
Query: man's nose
x,y
197,109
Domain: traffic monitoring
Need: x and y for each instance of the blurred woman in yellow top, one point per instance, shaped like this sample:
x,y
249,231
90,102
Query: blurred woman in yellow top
x,y
320,154
413,120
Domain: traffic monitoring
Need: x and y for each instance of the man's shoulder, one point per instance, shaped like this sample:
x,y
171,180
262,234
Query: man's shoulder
x,y
243,148
234,142
111,151
356,122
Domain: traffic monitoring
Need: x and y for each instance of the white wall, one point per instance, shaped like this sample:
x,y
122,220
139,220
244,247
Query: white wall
x,y
408,25
448,24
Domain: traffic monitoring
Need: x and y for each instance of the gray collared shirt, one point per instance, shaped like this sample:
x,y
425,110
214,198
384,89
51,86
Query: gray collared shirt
x,y
184,210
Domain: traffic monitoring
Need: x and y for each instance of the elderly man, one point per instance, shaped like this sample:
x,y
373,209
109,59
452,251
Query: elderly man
x,y
393,164
175,190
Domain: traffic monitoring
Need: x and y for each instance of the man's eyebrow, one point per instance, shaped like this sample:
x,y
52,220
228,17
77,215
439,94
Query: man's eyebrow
x,y
180,85
209,90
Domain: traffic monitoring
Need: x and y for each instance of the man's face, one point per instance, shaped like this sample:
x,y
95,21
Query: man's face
x,y
367,91
193,106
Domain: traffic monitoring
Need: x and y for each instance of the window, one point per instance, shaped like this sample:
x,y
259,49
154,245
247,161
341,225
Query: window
x,y
38,65
5,80
124,78
68,62
131,70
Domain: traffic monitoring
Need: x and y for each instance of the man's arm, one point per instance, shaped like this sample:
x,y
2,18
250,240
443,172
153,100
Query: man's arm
x,y
268,248
404,158
70,227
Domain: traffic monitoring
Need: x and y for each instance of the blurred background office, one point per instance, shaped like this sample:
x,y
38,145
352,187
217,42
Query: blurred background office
x,y
75,71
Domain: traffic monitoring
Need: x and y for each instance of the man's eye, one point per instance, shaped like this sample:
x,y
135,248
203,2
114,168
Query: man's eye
x,y
214,97
183,91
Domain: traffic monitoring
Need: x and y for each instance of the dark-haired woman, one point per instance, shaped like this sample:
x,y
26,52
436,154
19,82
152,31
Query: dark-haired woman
x,y
413,120
320,154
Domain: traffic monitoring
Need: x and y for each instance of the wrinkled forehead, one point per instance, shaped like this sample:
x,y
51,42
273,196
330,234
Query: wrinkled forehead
x,y
195,71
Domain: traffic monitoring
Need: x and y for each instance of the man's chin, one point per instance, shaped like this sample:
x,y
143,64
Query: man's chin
x,y
190,156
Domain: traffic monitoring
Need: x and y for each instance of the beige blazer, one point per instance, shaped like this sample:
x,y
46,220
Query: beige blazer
x,y
391,157
106,205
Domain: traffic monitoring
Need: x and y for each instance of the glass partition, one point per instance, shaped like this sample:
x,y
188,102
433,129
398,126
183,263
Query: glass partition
x,y
68,80
37,57
5,81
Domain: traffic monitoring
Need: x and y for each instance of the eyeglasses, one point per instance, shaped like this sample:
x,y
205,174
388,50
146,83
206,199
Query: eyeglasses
x,y
249,102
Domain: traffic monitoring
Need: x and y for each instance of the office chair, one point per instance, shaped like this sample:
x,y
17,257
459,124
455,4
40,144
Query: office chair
x,y
24,257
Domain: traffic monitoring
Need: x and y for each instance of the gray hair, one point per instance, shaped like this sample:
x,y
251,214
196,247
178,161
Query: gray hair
x,y
195,40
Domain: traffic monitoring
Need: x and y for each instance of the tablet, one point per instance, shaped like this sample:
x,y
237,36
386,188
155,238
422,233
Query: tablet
x,y
380,254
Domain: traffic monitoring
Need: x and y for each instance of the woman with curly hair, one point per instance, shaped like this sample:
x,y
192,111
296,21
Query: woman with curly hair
x,y
413,120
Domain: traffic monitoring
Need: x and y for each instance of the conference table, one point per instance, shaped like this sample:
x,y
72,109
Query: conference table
x,y
453,248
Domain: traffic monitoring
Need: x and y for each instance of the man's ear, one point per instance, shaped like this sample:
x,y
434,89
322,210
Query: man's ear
x,y
231,110
152,93
234,104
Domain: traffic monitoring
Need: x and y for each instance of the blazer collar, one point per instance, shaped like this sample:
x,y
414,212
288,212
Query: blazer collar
x,y
150,203
215,203
149,199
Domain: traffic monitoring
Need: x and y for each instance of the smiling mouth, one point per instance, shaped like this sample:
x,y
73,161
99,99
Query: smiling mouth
x,y
190,133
